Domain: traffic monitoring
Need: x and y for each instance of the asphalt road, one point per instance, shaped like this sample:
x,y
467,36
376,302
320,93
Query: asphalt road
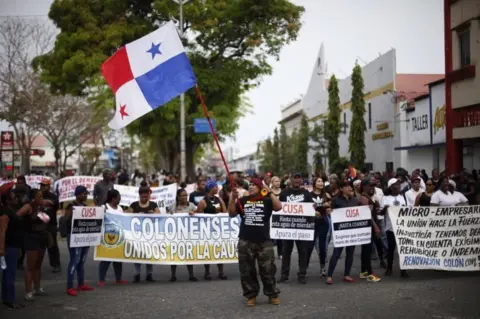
x,y
426,294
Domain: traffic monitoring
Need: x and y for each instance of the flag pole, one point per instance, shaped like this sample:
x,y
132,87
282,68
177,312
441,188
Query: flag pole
x,y
215,137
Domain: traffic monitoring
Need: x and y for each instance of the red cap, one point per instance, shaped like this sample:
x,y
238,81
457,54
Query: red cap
x,y
257,182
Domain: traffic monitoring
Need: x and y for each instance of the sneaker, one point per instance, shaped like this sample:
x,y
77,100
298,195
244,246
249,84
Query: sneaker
x,y
100,284
274,301
72,292
323,273
149,278
302,280
373,278
40,292
252,301
193,278
13,306
29,296
121,282
404,274
173,279
364,275
348,279
222,277
136,279
84,288
207,277
388,272
383,264
329,281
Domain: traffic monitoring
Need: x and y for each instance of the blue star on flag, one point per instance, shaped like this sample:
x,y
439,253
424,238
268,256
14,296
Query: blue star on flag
x,y
155,49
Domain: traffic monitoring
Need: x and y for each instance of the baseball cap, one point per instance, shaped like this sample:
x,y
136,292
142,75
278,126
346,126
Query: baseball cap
x,y
392,181
366,182
296,174
257,182
80,189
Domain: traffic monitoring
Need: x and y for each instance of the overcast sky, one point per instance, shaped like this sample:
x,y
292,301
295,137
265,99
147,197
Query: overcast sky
x,y
349,29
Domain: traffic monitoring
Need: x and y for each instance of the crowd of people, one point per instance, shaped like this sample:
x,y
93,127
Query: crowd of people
x,y
28,223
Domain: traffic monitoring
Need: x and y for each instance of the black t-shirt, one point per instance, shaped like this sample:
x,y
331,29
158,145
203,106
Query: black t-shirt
x,y
213,206
68,221
255,225
299,195
196,196
143,210
15,229
52,211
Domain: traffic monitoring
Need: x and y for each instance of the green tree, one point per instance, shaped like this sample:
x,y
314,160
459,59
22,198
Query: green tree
x,y
317,136
358,127
229,45
332,125
265,152
293,142
284,150
303,147
276,152
339,165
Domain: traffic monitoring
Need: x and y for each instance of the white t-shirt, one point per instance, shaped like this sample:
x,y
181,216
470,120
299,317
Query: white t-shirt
x,y
111,209
390,200
378,196
450,199
411,195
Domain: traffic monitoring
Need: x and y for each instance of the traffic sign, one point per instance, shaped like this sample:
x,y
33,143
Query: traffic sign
x,y
201,126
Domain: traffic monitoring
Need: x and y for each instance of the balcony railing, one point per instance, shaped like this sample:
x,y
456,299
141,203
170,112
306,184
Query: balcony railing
x,y
467,117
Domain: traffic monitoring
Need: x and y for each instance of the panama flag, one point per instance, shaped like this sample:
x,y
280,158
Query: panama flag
x,y
147,73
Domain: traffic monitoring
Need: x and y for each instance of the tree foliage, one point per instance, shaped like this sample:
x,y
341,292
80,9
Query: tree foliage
x,y
358,127
332,125
339,165
23,98
229,43
302,147
317,136
267,155
276,152
284,150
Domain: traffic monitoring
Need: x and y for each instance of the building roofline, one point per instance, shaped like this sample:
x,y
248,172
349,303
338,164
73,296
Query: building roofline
x,y
291,104
291,116
437,82
421,97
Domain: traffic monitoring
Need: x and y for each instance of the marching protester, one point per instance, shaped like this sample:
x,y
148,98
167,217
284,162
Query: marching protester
x,y
53,251
461,198
395,198
199,193
112,205
445,197
183,206
78,255
11,240
255,245
322,202
22,191
366,199
144,206
212,204
423,199
344,199
102,187
295,194
276,190
411,194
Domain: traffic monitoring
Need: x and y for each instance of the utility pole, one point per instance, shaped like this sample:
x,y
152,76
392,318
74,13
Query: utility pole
x,y
183,159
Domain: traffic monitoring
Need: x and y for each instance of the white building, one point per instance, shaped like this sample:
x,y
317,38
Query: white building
x,y
420,138
384,90
292,115
248,164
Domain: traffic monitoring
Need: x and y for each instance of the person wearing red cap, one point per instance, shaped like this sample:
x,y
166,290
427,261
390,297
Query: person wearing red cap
x,y
254,242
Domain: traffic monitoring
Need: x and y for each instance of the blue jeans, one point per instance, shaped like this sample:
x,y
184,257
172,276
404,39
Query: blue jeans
x,y
8,275
337,252
383,234
138,268
103,268
76,264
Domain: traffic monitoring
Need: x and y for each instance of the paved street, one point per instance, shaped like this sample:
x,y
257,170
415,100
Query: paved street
x,y
426,294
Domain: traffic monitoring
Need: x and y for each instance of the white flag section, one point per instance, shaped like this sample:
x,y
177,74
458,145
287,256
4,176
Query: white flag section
x,y
87,222
441,238
163,196
351,226
296,221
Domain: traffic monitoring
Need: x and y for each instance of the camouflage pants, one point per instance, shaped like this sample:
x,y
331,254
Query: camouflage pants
x,y
263,253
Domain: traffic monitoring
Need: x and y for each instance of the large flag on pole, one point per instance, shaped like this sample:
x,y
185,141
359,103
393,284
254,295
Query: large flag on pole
x,y
147,73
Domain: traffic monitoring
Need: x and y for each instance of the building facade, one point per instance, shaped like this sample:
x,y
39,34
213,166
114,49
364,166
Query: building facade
x,y
462,83
292,116
420,138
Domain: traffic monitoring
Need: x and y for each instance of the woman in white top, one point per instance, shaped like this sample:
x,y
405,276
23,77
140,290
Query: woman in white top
x,y
395,198
445,197
183,206
112,205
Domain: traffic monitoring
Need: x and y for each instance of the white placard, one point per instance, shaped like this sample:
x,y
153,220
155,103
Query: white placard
x,y
351,226
87,226
295,221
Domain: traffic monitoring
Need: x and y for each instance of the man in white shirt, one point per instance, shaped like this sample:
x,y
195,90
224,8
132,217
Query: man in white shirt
x,y
394,199
411,194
